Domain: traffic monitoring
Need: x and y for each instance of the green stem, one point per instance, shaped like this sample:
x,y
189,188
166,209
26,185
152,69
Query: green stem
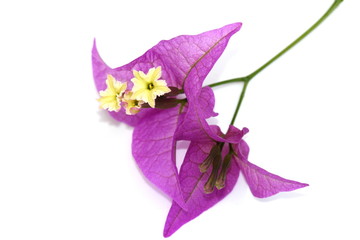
x,y
315,25
242,79
248,78
242,95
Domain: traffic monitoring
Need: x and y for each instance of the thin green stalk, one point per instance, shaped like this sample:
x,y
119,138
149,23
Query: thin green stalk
x,y
242,79
248,78
315,25
242,95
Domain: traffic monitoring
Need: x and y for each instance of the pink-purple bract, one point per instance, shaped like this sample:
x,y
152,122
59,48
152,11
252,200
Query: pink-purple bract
x,y
262,183
154,146
192,182
184,59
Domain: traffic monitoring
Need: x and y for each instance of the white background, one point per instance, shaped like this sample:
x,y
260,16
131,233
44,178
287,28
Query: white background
x,y
66,170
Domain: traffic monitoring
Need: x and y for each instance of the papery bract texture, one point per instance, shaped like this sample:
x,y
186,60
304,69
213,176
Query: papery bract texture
x,y
193,88
181,58
187,54
154,151
192,182
190,126
122,74
262,183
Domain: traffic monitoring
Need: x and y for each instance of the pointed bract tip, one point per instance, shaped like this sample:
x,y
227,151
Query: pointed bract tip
x,y
296,187
166,233
304,185
300,185
94,49
232,28
169,229
237,24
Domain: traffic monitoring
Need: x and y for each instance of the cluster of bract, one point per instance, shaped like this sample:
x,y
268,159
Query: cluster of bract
x,y
149,88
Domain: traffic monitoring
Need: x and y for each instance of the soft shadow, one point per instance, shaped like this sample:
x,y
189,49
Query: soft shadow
x,y
181,146
105,117
150,184
282,195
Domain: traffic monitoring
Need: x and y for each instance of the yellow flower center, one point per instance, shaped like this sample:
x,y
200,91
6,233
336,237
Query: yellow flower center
x,y
147,87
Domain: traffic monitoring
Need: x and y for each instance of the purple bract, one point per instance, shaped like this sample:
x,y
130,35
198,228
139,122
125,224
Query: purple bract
x,y
262,183
213,160
184,59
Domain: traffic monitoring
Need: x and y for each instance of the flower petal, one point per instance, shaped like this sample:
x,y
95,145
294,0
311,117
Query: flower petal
x,y
150,99
192,183
153,148
139,83
141,95
155,74
160,90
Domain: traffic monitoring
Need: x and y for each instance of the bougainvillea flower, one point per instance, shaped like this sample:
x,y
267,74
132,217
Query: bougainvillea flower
x,y
183,59
195,182
132,106
110,98
147,87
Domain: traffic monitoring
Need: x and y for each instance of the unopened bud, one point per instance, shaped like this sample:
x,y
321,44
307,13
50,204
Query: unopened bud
x,y
220,182
210,184
215,151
